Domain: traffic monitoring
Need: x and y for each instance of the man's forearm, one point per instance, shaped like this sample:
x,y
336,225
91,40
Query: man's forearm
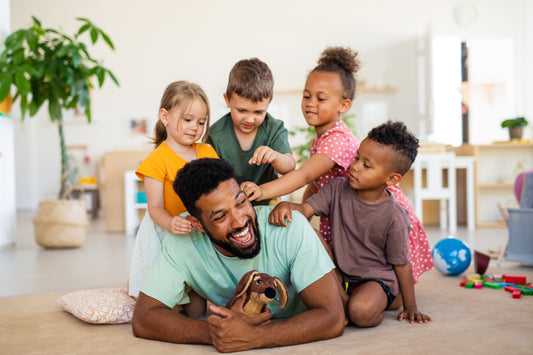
x,y
160,323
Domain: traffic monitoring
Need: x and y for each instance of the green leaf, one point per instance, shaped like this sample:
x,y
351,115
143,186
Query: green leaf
x,y
113,77
100,74
23,105
54,109
36,21
84,28
5,86
64,50
107,40
76,59
21,82
94,35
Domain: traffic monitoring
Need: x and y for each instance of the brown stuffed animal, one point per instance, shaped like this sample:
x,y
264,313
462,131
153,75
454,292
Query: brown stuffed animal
x,y
259,289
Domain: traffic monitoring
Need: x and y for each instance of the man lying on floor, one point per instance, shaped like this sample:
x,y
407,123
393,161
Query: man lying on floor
x,y
232,238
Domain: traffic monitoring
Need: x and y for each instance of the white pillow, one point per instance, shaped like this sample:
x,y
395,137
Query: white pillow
x,y
99,306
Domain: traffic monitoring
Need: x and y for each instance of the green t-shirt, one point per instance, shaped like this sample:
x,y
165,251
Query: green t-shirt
x,y
293,253
271,133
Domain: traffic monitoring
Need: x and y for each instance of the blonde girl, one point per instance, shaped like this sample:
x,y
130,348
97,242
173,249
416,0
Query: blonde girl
x,y
183,119
328,93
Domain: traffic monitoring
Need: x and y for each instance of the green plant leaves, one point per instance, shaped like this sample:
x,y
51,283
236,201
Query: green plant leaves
x,y
44,65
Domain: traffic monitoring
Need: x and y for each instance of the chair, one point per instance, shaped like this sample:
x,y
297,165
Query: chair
x,y
520,243
434,188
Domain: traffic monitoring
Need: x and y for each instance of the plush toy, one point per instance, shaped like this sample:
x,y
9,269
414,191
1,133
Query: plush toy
x,y
258,289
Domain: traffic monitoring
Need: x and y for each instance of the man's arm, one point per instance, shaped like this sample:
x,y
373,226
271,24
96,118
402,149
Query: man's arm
x,y
324,319
154,320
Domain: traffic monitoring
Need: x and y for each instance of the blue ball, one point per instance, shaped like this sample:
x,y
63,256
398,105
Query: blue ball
x,y
451,256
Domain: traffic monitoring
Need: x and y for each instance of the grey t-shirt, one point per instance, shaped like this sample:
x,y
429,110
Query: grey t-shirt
x,y
368,239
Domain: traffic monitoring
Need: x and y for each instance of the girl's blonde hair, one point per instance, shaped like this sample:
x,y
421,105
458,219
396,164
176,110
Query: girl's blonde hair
x,y
180,93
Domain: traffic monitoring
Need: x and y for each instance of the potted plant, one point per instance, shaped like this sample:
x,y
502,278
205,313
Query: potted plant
x,y
516,126
45,65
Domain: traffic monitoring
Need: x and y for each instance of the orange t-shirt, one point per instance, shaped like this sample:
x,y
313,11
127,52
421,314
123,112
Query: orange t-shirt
x,y
163,165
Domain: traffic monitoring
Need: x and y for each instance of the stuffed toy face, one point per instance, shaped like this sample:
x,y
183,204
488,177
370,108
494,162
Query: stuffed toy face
x,y
259,289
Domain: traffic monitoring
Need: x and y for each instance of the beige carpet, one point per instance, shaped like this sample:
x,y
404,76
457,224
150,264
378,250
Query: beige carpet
x,y
485,321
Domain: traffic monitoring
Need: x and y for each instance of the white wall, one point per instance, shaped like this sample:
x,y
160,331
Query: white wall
x,y
166,40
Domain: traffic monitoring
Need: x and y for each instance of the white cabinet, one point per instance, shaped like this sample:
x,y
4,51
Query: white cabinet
x,y
497,166
132,208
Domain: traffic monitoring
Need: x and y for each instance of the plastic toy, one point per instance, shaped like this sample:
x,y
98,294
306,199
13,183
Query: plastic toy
x,y
516,289
451,256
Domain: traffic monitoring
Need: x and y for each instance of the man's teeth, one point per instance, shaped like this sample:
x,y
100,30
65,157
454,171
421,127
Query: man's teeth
x,y
239,236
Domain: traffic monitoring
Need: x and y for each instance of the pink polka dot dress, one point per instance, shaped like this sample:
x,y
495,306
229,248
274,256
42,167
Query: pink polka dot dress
x,y
340,145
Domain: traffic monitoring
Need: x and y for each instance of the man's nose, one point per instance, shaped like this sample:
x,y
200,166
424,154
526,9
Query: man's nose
x,y
238,219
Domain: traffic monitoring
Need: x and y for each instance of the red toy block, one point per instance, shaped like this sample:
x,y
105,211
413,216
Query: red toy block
x,y
517,294
463,283
511,289
478,284
515,279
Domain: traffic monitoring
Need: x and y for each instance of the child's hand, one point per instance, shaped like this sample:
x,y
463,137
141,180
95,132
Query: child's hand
x,y
252,191
412,314
279,213
263,155
180,225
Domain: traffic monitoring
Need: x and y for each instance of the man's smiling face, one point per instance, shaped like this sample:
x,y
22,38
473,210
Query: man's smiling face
x,y
229,219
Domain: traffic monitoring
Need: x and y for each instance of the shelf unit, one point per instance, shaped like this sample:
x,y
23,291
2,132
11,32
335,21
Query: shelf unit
x,y
497,166
133,211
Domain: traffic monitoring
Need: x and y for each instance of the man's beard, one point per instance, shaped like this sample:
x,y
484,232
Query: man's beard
x,y
246,253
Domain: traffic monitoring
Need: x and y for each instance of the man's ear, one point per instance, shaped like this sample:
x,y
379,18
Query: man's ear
x,y
345,105
195,222
394,179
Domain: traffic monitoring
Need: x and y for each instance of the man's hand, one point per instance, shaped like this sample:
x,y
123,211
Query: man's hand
x,y
238,308
279,213
252,191
233,331
180,225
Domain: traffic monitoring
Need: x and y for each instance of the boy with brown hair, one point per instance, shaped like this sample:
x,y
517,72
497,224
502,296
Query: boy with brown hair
x,y
369,228
253,141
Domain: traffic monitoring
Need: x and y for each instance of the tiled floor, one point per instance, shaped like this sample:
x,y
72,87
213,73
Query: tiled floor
x,y
103,260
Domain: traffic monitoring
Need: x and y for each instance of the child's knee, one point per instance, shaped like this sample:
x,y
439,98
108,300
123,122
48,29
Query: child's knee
x,y
364,314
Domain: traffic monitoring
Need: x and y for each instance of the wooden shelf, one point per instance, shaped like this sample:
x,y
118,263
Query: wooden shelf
x,y
495,184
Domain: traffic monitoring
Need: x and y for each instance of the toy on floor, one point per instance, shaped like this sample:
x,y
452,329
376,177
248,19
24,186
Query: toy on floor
x,y
259,289
481,262
516,285
451,256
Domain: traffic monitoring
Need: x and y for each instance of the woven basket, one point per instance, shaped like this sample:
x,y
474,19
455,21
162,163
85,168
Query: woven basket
x,y
61,223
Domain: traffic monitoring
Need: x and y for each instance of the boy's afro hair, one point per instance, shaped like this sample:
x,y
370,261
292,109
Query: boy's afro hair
x,y
404,143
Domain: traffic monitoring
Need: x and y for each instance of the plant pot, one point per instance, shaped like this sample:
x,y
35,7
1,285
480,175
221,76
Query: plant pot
x,y
515,132
61,224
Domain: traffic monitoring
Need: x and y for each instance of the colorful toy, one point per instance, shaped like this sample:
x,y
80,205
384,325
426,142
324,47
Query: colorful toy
x,y
259,289
516,289
451,256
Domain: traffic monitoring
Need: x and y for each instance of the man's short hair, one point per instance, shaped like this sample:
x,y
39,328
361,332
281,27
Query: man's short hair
x,y
403,142
199,177
250,79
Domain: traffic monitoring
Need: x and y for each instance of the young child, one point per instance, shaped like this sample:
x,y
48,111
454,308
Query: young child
x,y
183,117
369,227
253,141
328,93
